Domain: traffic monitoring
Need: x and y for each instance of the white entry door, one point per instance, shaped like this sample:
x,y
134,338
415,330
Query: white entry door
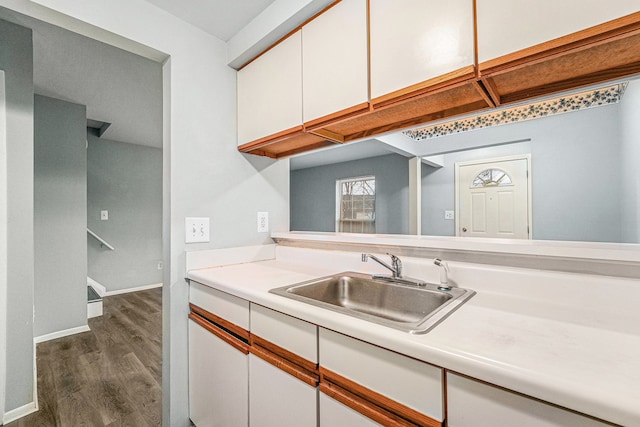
x,y
493,198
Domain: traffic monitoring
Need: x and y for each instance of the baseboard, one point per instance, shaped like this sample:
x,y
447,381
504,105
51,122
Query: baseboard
x,y
20,412
60,334
100,289
94,309
136,289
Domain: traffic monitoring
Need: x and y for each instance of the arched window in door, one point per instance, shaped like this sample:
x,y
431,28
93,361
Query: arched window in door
x,y
491,178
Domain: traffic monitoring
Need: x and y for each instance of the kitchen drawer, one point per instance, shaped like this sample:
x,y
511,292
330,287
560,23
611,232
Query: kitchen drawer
x,y
474,404
412,383
294,335
222,304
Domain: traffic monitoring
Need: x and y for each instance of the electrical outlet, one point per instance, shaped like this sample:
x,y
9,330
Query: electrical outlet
x,y
196,230
448,214
160,265
263,222
104,215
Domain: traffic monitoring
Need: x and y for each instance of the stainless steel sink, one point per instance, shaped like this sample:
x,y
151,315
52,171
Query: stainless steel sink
x,y
411,308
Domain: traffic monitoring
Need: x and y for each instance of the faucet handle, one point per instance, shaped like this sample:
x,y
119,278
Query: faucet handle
x,y
397,264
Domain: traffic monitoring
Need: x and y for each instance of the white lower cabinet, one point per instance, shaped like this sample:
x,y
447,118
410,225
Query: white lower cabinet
x,y
218,380
336,414
474,404
277,398
384,384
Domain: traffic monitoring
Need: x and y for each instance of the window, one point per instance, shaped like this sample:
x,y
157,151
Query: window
x,y
491,178
356,205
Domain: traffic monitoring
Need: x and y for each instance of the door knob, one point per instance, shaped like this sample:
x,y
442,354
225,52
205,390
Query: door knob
x,y
464,229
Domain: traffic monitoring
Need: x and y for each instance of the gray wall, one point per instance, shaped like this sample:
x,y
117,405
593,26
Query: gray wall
x,y
575,168
60,218
16,59
630,161
126,180
313,193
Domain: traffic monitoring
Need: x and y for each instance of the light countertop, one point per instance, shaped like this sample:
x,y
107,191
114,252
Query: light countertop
x,y
531,346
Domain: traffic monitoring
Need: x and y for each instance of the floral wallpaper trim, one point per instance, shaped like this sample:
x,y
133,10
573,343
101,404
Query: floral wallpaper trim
x,y
565,104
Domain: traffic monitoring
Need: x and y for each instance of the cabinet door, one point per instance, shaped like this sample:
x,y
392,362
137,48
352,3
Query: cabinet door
x,y
474,404
506,26
416,40
279,399
336,414
294,335
409,382
270,92
335,60
218,380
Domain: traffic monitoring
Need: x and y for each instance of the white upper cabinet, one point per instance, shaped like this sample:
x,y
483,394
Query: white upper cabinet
x,y
417,40
335,60
506,26
270,91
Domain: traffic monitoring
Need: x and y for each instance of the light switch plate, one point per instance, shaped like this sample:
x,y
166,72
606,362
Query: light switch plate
x,y
104,215
263,222
448,215
196,230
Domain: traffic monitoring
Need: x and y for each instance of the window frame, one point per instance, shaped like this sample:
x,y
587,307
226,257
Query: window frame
x,y
338,203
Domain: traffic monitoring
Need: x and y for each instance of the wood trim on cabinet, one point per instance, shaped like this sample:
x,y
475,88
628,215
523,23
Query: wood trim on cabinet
x,y
223,335
332,136
484,93
426,87
222,323
309,377
594,35
333,118
335,381
290,33
475,38
364,407
270,139
283,353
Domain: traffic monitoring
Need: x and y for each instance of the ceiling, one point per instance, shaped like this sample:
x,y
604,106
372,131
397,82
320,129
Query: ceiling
x,y
220,18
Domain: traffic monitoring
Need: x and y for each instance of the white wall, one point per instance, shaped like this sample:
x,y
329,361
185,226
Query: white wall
x,y
16,59
3,241
126,180
204,173
60,215
630,161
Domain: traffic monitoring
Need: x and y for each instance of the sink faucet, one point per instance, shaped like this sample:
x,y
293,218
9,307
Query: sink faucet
x,y
395,267
444,275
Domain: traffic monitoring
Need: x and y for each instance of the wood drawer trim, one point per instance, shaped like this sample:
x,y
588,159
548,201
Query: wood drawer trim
x,y
283,353
226,337
341,386
598,34
309,377
222,323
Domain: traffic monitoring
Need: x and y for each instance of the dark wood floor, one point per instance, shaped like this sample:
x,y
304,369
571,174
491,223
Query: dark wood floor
x,y
109,376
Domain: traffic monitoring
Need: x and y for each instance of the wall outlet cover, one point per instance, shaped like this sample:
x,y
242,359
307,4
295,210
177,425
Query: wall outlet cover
x,y
196,230
104,215
448,215
263,222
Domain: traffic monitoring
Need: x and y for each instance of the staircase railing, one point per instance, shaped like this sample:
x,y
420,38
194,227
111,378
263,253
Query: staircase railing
x,y
103,243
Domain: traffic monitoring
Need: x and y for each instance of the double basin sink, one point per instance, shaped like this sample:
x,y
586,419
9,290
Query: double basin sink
x,y
411,307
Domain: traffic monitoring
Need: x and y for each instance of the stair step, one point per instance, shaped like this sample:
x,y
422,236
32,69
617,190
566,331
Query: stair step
x,y
92,295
